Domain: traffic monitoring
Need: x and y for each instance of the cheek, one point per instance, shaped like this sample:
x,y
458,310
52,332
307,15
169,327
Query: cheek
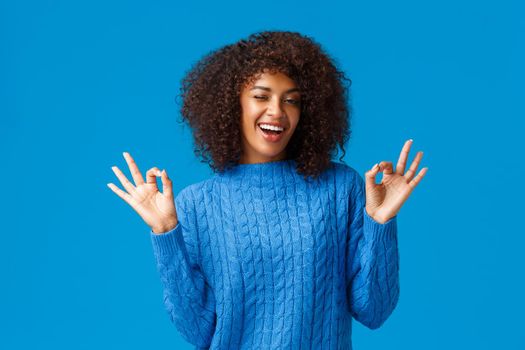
x,y
249,112
248,124
252,111
295,120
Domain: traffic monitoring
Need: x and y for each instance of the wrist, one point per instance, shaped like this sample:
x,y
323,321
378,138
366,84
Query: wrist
x,y
377,216
379,220
164,228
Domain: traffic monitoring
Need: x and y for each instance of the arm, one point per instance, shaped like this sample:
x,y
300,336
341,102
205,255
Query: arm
x,y
373,263
188,298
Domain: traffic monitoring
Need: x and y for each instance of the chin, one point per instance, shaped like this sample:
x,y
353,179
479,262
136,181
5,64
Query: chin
x,y
271,154
276,156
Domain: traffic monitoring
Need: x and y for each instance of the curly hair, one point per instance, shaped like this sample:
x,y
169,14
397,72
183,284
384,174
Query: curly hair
x,y
211,89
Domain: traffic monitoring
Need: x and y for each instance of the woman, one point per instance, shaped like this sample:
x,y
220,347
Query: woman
x,y
282,246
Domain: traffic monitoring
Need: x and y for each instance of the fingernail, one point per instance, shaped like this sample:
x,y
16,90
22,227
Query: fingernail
x,y
158,172
410,140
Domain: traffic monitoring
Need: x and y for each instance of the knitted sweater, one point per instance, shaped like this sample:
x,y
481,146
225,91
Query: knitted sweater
x,y
263,259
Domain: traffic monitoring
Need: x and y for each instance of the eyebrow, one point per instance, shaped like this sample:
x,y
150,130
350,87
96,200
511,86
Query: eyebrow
x,y
268,89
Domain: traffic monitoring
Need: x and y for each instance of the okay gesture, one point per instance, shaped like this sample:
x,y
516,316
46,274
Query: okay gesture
x,y
384,200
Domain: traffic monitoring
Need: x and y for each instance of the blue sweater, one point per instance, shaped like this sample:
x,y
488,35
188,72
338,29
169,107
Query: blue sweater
x,y
263,259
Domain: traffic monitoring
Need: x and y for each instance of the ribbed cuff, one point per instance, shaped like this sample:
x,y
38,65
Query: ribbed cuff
x,y
166,243
373,228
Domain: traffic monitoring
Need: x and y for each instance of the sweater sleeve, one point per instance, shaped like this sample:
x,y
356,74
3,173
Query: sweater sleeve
x,y
188,297
373,262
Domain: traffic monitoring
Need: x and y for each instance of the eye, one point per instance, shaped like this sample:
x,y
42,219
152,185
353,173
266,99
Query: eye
x,y
292,101
288,100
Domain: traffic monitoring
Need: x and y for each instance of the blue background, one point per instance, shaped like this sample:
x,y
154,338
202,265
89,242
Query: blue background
x,y
83,81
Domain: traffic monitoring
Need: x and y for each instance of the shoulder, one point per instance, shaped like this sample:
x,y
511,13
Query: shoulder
x,y
193,193
342,168
347,180
345,174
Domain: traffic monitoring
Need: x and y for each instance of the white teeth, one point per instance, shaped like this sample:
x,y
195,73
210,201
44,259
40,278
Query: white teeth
x,y
270,127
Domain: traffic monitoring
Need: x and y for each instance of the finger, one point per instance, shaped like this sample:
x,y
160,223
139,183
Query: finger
x,y
167,186
370,176
151,176
386,167
401,163
125,196
123,180
134,169
413,167
418,178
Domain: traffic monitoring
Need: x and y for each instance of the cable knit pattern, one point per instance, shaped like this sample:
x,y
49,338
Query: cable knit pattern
x,y
263,259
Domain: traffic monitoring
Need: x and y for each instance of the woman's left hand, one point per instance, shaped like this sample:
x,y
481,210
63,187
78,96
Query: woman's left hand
x,y
384,200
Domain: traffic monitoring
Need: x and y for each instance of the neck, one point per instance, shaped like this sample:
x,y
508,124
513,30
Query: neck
x,y
247,158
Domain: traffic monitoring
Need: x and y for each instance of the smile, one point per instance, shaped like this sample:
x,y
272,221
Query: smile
x,y
274,135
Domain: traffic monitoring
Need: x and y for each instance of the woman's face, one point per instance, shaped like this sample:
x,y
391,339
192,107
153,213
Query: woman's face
x,y
271,99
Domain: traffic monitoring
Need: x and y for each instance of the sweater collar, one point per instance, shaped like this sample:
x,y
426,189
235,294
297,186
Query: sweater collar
x,y
266,165
261,173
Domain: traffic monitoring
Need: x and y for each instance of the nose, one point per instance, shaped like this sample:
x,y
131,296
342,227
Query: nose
x,y
275,108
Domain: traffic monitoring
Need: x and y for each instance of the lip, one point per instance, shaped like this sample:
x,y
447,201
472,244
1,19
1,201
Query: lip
x,y
268,137
273,124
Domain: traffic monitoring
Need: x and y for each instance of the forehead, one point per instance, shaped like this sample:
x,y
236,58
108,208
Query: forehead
x,y
273,81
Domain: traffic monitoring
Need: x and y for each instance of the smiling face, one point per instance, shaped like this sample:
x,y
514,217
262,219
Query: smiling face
x,y
271,99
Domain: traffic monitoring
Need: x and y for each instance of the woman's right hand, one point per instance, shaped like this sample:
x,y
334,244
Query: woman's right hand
x,y
155,208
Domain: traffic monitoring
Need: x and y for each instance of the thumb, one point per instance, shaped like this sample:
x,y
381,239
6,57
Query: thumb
x,y
370,176
167,185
